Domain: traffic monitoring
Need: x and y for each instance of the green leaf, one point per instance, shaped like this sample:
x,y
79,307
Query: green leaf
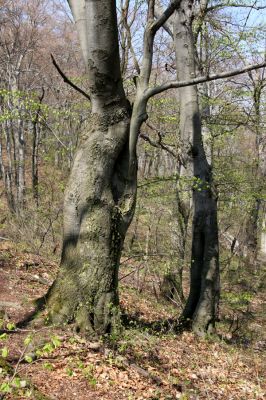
x,y
28,358
3,336
48,348
28,340
28,393
10,326
5,352
56,341
48,366
16,382
39,353
69,371
5,387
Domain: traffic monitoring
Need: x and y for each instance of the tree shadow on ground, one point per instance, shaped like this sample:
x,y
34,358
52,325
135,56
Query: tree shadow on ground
x,y
163,326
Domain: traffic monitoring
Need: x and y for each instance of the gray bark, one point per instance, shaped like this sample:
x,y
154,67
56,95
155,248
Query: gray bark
x,y
202,304
253,228
20,170
263,234
8,169
100,197
36,132
101,193
2,168
14,176
35,161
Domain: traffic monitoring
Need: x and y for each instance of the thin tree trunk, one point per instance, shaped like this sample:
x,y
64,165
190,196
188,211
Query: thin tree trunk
x,y
263,234
9,172
35,162
20,148
35,152
253,228
2,168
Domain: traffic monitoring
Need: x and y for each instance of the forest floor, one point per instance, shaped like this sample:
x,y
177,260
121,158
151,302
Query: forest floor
x,y
145,362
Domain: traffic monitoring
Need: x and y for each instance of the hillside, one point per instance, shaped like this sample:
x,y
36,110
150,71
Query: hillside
x,y
148,360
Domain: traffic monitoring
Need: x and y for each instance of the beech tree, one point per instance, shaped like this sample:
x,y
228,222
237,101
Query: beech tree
x,y
202,303
101,193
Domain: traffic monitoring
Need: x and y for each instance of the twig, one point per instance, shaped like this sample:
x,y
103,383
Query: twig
x,y
3,238
53,132
48,229
223,5
18,363
139,267
158,144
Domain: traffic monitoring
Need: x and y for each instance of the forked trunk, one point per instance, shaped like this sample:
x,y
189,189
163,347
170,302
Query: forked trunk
x,y
100,196
97,212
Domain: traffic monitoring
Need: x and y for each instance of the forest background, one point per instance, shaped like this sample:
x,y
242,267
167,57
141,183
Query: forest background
x,y
42,118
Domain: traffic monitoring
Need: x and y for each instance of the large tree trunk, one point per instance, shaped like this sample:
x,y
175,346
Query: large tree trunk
x,y
202,303
100,197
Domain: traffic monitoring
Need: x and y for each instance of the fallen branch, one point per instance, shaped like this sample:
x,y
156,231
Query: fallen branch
x,y
3,238
154,378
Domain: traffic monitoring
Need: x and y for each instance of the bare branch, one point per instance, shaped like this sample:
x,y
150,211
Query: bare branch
x,y
167,25
124,21
151,5
67,80
166,15
201,79
158,144
152,28
229,4
139,113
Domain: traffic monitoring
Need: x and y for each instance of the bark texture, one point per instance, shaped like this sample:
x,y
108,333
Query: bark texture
x,y
254,225
202,304
100,196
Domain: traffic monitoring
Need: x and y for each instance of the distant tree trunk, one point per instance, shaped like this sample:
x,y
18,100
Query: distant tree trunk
x,y
35,162
263,233
20,167
8,170
15,147
100,197
253,226
2,170
202,304
252,229
35,152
